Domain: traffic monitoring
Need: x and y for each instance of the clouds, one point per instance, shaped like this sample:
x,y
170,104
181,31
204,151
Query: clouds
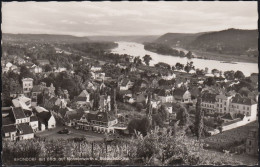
x,y
126,18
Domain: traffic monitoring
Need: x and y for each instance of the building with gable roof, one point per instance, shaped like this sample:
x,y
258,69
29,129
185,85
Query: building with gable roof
x,y
27,85
25,131
244,105
182,95
208,101
23,102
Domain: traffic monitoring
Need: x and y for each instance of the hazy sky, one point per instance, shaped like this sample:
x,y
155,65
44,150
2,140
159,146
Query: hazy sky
x,y
126,18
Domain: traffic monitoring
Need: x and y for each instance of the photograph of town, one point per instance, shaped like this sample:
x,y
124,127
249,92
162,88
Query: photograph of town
x,y
129,83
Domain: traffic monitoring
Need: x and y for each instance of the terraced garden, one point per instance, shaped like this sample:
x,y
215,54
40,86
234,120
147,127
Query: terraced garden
x,y
230,138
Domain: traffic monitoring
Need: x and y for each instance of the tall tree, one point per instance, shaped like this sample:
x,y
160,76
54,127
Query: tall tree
x,y
113,99
183,116
239,75
199,118
147,59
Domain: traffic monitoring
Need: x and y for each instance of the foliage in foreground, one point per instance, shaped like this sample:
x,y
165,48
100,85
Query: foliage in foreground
x,y
158,147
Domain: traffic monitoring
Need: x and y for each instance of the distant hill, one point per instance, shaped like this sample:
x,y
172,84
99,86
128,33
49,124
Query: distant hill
x,y
231,41
48,38
139,39
177,39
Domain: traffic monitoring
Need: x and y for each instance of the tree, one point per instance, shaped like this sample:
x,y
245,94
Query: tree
x,y
189,55
173,68
142,125
239,75
199,118
47,68
183,116
113,99
214,71
147,59
139,106
229,75
96,100
182,54
210,81
179,66
244,91
25,73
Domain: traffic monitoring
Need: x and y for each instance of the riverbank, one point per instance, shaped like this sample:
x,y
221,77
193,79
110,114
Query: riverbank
x,y
224,57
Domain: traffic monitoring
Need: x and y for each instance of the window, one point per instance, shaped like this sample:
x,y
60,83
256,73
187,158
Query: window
x,y
247,108
244,108
225,103
249,143
224,108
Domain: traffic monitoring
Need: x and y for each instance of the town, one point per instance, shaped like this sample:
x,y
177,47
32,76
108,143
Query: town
x,y
129,83
109,98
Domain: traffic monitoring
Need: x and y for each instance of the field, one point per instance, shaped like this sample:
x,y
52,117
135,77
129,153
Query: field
x,y
230,138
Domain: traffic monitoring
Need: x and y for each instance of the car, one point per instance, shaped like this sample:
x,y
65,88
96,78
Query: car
x,y
64,131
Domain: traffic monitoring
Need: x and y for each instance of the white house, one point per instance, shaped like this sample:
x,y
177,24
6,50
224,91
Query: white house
x,y
222,103
95,68
169,76
27,84
83,97
34,123
244,105
23,102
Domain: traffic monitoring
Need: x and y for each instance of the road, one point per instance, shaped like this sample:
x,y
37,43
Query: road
x,y
53,134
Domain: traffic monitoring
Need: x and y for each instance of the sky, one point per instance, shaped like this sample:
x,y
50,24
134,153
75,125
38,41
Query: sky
x,y
126,18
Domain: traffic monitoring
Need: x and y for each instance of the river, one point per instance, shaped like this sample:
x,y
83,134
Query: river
x,y
137,49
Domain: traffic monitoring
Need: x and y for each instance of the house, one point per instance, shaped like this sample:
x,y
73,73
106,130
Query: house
x,y
244,105
46,119
16,91
168,76
208,101
27,85
83,97
222,103
164,95
9,132
19,61
24,131
34,123
121,66
36,69
36,90
252,142
101,122
182,95
125,84
95,68
19,115
23,102
59,69
71,117
155,101
43,62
